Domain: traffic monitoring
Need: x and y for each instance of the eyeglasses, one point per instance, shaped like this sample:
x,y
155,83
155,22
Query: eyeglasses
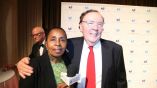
x,y
93,23
38,34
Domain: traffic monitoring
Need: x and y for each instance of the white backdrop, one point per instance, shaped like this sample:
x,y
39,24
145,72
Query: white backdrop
x,y
134,27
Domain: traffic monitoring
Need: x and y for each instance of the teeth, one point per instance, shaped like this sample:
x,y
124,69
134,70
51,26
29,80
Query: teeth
x,y
95,34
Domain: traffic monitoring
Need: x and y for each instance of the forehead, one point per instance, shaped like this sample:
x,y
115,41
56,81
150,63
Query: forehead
x,y
93,16
37,30
57,32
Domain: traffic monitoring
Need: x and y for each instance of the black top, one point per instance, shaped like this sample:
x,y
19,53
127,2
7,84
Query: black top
x,y
43,76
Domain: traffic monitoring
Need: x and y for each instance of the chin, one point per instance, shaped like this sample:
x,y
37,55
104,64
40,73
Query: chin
x,y
58,54
93,40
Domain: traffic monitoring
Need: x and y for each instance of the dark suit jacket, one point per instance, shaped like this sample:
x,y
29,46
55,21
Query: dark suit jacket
x,y
35,51
43,76
113,68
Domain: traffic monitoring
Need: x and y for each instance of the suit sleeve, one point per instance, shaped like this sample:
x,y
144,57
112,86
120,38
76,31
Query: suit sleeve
x,y
120,69
29,81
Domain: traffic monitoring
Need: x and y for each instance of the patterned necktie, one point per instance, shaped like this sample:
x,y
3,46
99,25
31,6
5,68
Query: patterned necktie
x,y
90,74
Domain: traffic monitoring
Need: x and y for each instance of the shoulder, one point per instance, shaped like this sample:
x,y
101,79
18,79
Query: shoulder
x,y
72,42
40,59
76,39
66,59
43,58
110,43
35,45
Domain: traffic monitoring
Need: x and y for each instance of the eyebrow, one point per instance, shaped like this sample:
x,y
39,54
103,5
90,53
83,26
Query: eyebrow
x,y
91,21
59,37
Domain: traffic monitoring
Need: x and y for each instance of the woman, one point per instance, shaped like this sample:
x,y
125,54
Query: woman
x,y
47,68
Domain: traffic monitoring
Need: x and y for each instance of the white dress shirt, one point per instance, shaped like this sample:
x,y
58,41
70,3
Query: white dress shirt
x,y
41,50
83,64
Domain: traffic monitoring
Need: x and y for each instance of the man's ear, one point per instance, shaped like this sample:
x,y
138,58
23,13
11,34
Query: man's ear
x,y
80,27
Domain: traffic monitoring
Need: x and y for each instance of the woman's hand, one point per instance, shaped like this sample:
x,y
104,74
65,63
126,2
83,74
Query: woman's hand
x,y
62,85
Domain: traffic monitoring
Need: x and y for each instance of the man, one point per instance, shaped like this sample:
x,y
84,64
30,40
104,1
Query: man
x,y
108,69
38,48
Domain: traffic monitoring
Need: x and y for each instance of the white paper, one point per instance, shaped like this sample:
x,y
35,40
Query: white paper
x,y
70,80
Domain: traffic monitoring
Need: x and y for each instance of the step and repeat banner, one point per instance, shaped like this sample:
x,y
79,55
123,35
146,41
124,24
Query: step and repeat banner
x,y
133,27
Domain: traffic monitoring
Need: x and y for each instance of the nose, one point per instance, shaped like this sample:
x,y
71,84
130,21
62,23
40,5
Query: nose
x,y
95,27
34,37
57,42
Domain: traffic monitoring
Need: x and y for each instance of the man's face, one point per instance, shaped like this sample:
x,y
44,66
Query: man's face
x,y
38,35
56,42
92,27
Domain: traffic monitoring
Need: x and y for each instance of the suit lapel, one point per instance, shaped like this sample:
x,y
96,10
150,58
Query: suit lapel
x,y
47,74
75,50
78,50
37,53
44,49
106,56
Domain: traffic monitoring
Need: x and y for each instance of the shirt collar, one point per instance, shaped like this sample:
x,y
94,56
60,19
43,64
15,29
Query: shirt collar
x,y
43,42
95,46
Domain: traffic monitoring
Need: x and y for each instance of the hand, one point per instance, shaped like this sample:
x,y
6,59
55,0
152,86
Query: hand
x,y
62,85
23,68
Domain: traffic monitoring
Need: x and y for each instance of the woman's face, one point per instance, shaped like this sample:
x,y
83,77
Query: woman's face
x,y
56,42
